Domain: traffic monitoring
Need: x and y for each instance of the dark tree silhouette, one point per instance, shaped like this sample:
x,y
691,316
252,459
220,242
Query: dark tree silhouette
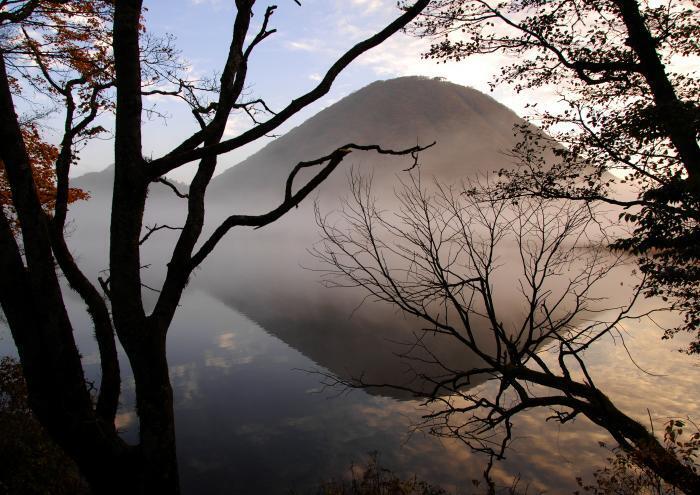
x,y
519,284
627,105
32,259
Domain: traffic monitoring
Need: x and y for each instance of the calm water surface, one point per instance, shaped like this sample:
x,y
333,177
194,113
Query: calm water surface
x,y
251,420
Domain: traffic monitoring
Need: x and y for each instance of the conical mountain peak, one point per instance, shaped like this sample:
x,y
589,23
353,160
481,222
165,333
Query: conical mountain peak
x,y
472,131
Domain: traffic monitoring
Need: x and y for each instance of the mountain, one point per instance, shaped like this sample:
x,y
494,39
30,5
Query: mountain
x,y
472,131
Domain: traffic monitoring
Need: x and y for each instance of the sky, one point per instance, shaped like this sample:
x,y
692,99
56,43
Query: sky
x,y
289,63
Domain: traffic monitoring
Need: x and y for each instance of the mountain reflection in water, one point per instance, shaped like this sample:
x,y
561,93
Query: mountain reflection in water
x,y
249,420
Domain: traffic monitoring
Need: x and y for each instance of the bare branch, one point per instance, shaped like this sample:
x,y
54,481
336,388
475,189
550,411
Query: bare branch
x,y
173,187
186,152
292,199
151,230
437,258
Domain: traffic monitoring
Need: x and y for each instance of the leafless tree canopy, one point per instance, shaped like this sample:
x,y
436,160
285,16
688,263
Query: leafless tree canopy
x,y
518,283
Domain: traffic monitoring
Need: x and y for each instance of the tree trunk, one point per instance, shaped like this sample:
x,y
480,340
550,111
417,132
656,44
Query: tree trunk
x,y
154,403
143,342
32,301
631,435
57,390
636,440
675,116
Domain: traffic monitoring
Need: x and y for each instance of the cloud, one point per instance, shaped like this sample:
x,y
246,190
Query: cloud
x,y
350,31
236,124
309,45
227,341
124,420
370,5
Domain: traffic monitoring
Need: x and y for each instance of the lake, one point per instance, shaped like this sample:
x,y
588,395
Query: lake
x,y
255,333
252,419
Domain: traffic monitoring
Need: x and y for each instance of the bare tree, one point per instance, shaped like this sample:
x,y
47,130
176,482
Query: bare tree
x,y
30,293
627,104
516,283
